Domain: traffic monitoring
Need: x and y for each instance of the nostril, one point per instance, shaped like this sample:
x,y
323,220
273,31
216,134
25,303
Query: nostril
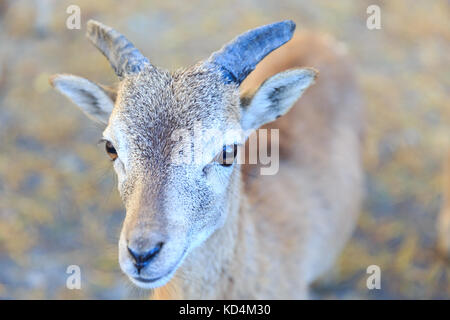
x,y
153,252
133,254
143,258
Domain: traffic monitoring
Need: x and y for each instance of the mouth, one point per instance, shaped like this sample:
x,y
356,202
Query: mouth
x,y
140,279
151,283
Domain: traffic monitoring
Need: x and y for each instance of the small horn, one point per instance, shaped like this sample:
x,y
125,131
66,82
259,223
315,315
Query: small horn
x,y
121,53
240,56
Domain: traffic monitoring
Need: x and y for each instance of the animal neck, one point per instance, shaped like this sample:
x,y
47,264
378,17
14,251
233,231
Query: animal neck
x,y
211,271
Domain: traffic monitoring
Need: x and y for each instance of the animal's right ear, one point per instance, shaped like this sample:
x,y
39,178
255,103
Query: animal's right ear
x,y
275,97
96,102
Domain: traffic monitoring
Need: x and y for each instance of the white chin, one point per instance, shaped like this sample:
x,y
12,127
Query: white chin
x,y
158,282
153,284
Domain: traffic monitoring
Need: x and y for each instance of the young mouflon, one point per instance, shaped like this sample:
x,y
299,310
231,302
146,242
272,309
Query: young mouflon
x,y
218,229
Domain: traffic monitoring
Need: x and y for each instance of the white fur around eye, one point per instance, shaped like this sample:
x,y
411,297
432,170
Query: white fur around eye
x,y
120,171
217,176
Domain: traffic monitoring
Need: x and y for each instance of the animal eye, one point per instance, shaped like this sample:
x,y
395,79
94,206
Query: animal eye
x,y
110,150
227,156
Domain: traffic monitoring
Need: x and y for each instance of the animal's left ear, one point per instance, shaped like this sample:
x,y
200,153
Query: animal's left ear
x,y
275,97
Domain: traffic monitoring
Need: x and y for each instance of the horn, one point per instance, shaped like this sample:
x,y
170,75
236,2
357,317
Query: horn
x,y
240,56
121,53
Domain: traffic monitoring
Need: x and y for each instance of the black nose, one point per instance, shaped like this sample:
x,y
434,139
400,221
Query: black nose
x,y
142,259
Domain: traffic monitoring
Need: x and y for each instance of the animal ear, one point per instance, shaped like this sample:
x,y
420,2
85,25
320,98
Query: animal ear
x,y
95,101
275,97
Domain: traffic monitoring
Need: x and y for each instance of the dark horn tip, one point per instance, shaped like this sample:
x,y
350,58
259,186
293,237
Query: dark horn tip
x,y
290,24
287,27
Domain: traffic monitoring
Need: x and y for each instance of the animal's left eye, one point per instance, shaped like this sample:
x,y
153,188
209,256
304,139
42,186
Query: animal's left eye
x,y
110,150
227,156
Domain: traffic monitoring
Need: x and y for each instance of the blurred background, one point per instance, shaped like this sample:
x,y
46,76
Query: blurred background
x,y
58,200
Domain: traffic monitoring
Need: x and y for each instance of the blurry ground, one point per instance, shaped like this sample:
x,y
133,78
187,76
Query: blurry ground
x,y
58,202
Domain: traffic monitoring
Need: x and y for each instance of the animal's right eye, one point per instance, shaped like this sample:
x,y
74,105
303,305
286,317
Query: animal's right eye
x,y
110,150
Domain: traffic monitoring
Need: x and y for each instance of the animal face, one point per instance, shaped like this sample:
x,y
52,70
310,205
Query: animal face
x,y
171,205
158,118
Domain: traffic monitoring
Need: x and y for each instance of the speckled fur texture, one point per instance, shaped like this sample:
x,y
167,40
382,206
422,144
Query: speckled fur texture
x,y
243,236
